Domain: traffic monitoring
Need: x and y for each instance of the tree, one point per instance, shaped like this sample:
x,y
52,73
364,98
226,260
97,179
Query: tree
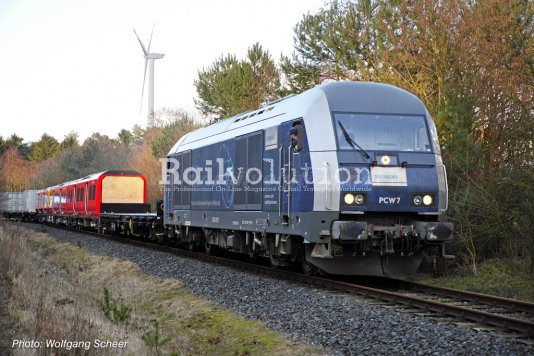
x,y
338,43
14,141
17,142
231,86
138,133
497,61
70,141
15,172
177,124
44,149
125,138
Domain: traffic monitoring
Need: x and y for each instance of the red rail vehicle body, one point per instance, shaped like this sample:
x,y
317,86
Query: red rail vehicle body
x,y
105,200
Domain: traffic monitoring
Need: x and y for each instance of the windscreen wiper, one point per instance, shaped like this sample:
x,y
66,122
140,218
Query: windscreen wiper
x,y
351,142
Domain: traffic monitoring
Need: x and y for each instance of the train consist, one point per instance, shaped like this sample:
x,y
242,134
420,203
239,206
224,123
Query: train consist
x,y
109,202
346,178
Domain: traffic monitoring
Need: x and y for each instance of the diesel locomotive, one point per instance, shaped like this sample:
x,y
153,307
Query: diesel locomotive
x,y
345,178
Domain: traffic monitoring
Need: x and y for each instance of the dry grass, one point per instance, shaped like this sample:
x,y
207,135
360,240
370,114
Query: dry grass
x,y
57,291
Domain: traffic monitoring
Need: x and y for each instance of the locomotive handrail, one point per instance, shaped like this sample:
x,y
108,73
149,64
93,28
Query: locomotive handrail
x,y
289,151
281,185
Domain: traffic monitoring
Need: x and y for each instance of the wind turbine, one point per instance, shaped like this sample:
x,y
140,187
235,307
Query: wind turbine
x,y
149,58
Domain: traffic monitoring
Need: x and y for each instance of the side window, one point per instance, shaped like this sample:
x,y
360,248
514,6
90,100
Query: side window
x,y
177,190
182,191
255,165
92,192
249,160
240,194
186,195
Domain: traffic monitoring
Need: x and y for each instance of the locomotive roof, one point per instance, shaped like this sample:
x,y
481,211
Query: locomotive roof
x,y
361,97
93,177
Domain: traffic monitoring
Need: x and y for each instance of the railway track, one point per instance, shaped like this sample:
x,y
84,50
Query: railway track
x,y
502,313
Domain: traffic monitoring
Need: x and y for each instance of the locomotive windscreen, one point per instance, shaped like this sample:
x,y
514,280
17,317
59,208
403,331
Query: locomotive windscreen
x,y
130,190
384,132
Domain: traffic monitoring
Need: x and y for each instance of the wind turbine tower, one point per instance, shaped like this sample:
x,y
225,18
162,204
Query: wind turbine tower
x,y
149,59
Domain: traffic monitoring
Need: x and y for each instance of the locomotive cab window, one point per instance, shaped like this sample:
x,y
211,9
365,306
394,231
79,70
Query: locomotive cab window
x,y
404,133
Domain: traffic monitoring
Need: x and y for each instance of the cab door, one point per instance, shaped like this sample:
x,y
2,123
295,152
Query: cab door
x,y
292,155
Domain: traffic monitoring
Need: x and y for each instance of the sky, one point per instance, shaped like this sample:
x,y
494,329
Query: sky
x,y
76,65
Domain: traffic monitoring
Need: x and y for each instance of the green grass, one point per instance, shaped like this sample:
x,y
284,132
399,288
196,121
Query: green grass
x,y
222,333
498,277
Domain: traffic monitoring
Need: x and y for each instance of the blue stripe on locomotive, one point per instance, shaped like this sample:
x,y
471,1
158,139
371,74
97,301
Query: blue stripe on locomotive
x,y
218,178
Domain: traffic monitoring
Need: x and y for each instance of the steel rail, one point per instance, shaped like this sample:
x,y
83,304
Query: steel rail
x,y
512,304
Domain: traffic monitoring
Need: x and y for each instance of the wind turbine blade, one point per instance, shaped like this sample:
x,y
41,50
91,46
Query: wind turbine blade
x,y
143,88
151,33
142,45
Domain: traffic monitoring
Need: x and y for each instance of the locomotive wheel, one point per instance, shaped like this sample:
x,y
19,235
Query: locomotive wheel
x,y
253,257
191,246
275,264
210,249
307,268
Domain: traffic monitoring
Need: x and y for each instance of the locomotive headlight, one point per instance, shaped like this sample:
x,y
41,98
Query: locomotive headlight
x,y
427,199
348,199
417,200
359,199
